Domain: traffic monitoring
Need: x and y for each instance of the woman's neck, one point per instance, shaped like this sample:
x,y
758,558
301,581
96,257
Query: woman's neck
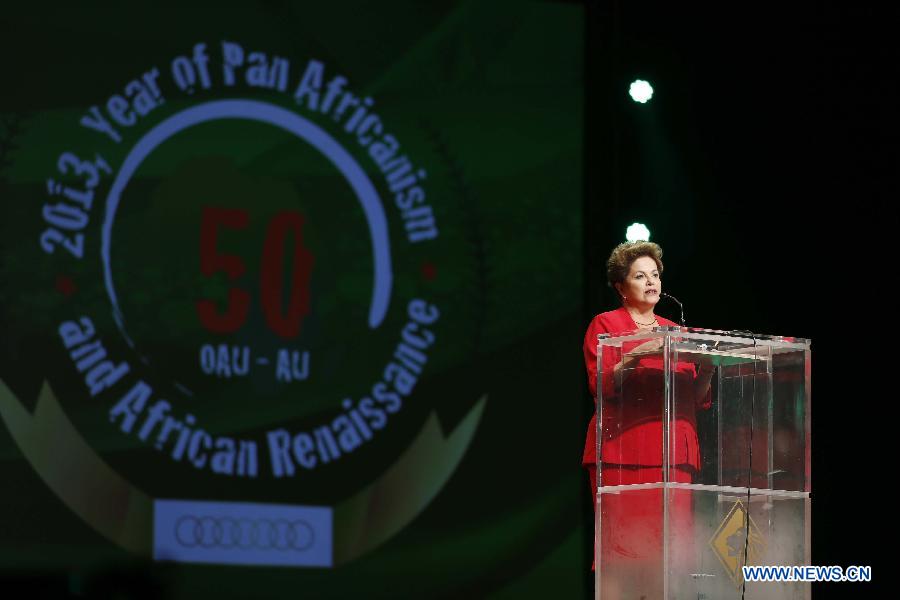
x,y
641,316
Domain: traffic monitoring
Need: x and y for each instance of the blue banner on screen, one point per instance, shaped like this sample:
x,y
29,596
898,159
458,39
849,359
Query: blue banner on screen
x,y
241,533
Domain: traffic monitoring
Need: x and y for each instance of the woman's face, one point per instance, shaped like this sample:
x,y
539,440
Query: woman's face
x,y
642,286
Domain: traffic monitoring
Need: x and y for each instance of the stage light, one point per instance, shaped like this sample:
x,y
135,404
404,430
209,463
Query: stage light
x,y
640,91
637,232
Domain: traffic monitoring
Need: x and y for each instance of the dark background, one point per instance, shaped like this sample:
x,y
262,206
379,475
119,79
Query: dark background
x,y
765,166
768,164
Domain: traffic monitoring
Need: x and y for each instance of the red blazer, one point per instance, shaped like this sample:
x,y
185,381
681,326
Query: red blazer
x,y
634,429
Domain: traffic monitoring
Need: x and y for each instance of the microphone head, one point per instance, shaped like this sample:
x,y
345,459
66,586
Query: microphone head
x,y
680,305
670,296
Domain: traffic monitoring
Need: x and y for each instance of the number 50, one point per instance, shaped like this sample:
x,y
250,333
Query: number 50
x,y
283,321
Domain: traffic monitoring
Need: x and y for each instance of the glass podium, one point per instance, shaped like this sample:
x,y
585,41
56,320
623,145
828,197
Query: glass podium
x,y
703,461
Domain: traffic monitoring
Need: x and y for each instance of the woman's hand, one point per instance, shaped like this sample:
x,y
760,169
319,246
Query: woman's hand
x,y
648,346
631,360
706,369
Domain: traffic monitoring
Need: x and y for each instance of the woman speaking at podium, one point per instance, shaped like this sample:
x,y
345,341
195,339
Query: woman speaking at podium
x,y
631,451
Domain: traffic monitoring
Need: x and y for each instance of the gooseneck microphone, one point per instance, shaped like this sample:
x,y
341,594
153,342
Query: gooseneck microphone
x,y
674,299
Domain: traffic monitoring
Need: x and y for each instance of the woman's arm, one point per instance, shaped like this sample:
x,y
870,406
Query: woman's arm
x,y
612,360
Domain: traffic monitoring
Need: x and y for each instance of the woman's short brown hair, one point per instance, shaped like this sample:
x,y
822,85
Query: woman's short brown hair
x,y
619,262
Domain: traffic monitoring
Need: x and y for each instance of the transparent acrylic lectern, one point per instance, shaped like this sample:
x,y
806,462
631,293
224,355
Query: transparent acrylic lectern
x,y
703,461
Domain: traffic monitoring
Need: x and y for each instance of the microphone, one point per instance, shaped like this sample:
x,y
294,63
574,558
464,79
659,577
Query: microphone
x,y
674,299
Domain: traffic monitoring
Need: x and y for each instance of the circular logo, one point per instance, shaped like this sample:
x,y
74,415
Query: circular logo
x,y
254,291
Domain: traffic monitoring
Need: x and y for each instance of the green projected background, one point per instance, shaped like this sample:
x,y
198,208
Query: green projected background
x,y
291,297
